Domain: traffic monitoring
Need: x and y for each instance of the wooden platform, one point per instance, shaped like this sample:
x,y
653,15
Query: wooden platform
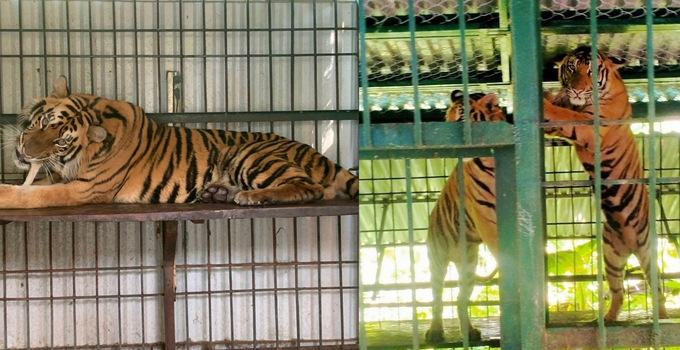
x,y
565,330
175,212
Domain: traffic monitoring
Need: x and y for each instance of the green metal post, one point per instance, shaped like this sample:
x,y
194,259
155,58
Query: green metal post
x,y
366,127
527,75
597,179
464,73
651,117
417,123
508,259
462,245
412,258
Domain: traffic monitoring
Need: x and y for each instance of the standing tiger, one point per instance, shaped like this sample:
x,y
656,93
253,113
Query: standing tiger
x,y
479,183
108,151
625,206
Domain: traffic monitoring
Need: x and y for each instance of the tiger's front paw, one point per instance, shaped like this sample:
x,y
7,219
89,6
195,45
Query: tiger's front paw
x,y
253,197
9,196
214,194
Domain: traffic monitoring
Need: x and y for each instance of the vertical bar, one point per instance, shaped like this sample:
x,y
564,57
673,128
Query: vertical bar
x,y
186,285
366,113
209,235
412,258
115,51
28,289
73,263
4,284
342,289
467,131
252,277
118,268
527,73
137,84
96,279
508,265
318,279
297,282
52,290
248,92
169,229
292,67
141,281
231,280
602,332
417,126
276,284
462,246
651,118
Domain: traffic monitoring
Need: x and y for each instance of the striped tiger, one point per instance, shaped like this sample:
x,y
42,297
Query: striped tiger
x,y
108,151
625,206
480,218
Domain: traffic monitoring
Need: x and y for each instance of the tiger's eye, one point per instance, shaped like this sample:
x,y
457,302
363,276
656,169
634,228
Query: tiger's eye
x,y
60,142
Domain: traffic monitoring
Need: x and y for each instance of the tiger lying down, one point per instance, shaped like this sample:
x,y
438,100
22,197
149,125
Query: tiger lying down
x,y
106,151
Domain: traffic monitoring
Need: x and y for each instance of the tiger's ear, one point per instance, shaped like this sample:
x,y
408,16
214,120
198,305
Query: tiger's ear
x,y
456,95
617,62
97,134
559,60
60,88
488,101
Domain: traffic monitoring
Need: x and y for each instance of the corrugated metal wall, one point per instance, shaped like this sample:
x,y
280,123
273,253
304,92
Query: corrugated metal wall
x,y
263,282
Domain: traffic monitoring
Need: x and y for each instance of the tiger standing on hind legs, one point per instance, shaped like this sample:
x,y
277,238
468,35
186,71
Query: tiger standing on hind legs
x,y
625,206
479,181
108,151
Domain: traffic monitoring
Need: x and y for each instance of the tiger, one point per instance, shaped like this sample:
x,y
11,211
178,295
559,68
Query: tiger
x,y
110,151
625,206
479,181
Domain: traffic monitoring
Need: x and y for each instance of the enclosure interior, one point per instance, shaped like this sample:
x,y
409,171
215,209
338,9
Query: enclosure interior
x,y
395,273
280,66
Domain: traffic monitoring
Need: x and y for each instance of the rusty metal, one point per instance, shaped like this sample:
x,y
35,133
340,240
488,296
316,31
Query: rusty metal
x,y
169,281
178,212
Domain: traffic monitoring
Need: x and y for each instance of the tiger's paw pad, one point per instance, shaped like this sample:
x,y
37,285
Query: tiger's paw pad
x,y
214,194
434,336
250,198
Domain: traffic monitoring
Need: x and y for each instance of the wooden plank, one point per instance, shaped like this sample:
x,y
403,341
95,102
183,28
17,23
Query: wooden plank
x,y
175,212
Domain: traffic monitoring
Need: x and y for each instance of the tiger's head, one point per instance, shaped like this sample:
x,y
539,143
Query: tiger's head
x,y
483,107
55,132
575,75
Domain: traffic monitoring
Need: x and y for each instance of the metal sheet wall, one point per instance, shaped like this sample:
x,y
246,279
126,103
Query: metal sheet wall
x,y
241,282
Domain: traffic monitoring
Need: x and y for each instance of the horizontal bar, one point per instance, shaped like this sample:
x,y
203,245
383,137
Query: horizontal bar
x,y
227,117
440,134
618,336
186,56
587,183
173,30
191,211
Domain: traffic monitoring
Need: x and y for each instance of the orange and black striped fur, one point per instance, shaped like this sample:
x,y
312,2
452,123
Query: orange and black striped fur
x,y
109,151
480,217
625,206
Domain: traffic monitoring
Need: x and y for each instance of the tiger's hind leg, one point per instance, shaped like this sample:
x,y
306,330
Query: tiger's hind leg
x,y
295,192
614,264
438,256
466,286
645,259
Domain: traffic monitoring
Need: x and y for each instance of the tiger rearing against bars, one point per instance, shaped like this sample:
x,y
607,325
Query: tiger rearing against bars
x,y
480,217
109,151
625,206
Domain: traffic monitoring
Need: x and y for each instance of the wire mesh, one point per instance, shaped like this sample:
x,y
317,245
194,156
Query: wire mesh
x,y
271,66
